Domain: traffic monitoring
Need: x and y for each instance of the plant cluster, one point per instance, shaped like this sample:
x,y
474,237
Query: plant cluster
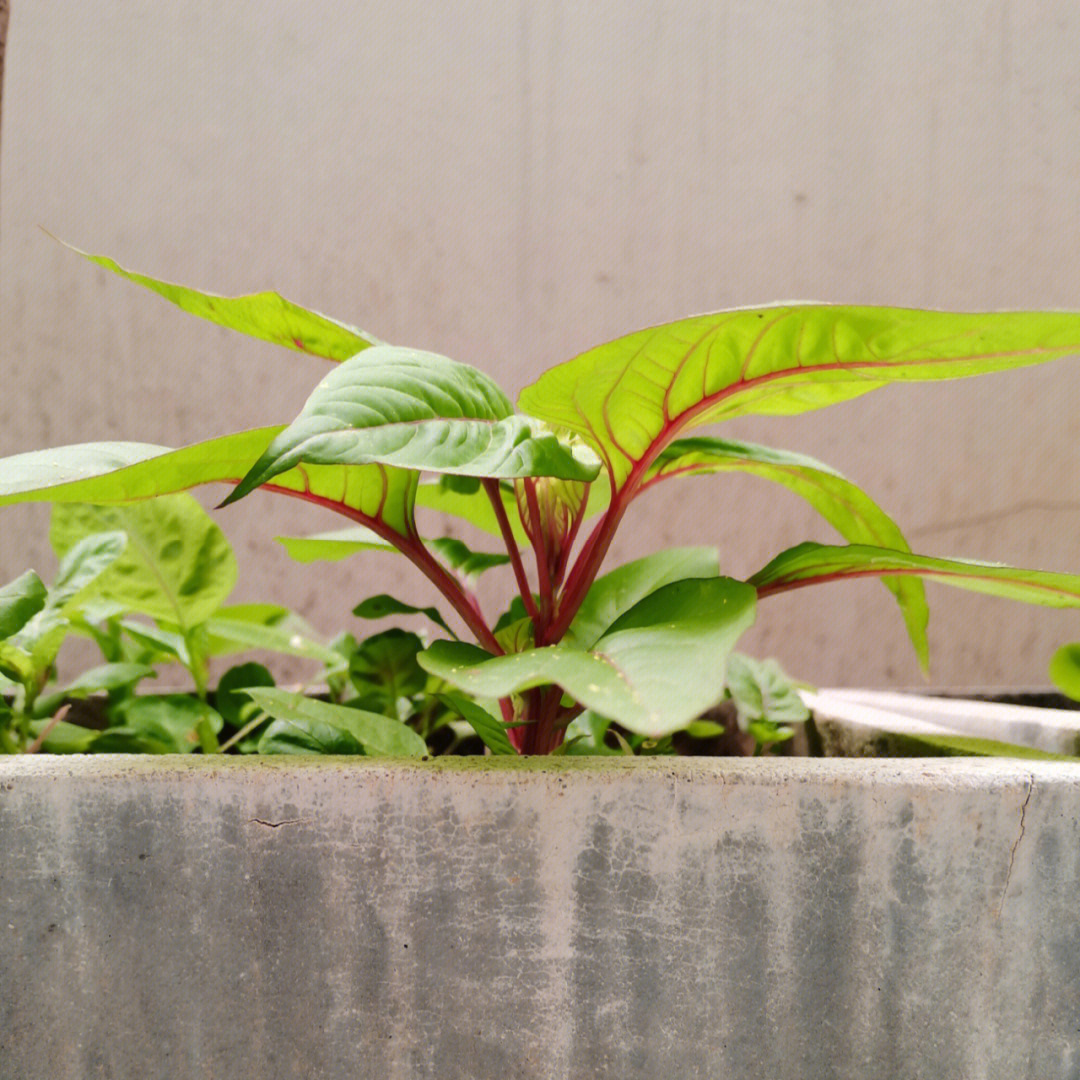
x,y
391,431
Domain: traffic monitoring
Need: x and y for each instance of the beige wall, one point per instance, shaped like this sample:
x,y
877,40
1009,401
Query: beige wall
x,y
509,183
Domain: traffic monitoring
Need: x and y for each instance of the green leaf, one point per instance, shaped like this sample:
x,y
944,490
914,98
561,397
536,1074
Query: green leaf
x,y
15,663
20,601
646,671
81,565
158,642
264,315
225,635
619,590
379,607
231,697
177,566
460,557
763,694
96,680
810,563
304,725
491,730
108,473
628,398
852,512
170,720
416,410
63,737
386,663
1065,670
334,545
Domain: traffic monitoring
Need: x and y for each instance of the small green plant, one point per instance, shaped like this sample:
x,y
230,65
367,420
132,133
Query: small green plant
x,y
391,431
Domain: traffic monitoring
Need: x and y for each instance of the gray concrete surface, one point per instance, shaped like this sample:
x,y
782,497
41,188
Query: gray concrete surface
x,y
339,919
509,183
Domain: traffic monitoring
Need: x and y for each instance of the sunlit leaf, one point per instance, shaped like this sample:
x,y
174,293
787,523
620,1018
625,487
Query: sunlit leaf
x,y
264,315
850,511
177,566
415,410
811,563
628,398
20,601
1065,670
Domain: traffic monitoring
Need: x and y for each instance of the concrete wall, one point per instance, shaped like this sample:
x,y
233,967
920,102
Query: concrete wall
x,y
510,183
791,919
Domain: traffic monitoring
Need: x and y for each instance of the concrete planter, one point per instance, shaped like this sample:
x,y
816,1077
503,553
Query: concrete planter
x,y
799,918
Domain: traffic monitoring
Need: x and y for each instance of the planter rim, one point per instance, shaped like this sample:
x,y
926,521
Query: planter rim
x,y
955,772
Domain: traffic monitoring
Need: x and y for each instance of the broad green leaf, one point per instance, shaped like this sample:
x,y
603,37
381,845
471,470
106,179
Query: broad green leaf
x,y
809,563
1065,670
415,410
647,670
177,566
264,315
585,735
304,725
631,396
619,590
850,511
96,680
231,698
167,719
762,692
491,730
63,737
20,601
379,607
386,663
108,473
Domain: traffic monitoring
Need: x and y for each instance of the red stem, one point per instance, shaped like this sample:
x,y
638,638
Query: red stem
x,y
413,548
494,493
543,571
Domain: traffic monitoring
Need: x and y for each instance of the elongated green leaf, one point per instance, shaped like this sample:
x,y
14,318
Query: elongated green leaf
x,y
311,726
629,397
264,315
94,681
112,473
379,607
491,730
810,563
646,671
341,543
225,635
460,557
850,511
62,737
177,566
416,410
20,601
618,591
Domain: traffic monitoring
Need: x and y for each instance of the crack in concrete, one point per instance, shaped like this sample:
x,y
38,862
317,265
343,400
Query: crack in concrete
x,y
274,824
1016,843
